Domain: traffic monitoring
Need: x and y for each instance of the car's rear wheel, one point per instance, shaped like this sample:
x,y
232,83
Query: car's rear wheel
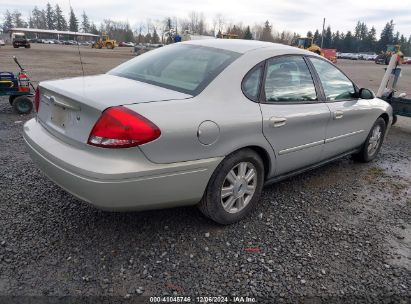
x,y
235,187
373,142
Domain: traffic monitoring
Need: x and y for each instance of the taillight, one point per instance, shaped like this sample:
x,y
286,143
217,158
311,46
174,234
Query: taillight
x,y
37,100
120,127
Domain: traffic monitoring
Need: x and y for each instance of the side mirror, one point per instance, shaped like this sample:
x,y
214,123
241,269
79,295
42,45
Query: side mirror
x,y
366,94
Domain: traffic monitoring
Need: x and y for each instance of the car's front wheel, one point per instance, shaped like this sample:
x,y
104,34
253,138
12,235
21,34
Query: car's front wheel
x,y
373,142
235,187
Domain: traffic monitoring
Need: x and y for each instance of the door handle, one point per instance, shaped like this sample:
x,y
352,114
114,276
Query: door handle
x,y
278,121
338,114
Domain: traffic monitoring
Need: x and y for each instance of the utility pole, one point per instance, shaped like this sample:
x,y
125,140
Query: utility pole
x,y
322,35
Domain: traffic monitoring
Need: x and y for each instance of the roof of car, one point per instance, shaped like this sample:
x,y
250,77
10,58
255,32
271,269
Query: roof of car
x,y
240,45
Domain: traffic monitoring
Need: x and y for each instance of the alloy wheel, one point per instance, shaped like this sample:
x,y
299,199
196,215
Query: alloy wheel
x,y
374,140
238,187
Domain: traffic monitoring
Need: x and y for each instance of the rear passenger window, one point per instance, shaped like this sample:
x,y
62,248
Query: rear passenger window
x,y
335,84
288,79
251,83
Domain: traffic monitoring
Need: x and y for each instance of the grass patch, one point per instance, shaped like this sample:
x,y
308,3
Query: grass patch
x,y
378,171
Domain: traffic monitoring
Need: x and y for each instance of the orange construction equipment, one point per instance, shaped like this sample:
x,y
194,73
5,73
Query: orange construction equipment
x,y
330,54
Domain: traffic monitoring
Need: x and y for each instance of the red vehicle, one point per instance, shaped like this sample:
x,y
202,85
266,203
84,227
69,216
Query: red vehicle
x,y
407,61
330,54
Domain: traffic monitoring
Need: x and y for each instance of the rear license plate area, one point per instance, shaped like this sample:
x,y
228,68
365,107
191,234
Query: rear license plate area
x,y
58,116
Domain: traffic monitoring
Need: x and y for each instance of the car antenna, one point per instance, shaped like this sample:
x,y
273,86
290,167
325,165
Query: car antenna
x,y
78,48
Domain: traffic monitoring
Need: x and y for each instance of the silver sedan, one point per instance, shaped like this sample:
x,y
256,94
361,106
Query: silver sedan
x,y
205,122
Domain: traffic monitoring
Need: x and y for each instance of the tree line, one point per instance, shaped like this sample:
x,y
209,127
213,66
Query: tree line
x,y
362,39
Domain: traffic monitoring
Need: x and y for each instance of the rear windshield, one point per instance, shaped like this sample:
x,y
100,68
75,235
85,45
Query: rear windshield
x,y
181,67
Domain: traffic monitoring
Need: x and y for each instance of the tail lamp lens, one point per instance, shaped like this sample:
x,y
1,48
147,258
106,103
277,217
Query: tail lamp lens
x,y
120,127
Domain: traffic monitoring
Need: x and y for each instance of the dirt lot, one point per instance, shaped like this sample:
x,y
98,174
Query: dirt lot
x,y
338,233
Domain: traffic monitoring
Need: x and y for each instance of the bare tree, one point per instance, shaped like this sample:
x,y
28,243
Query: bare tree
x,y
139,32
218,23
196,22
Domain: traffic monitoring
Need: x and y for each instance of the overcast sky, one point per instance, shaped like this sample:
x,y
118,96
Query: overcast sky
x,y
292,15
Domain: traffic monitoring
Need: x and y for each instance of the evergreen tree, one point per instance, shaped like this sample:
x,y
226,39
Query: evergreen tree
x,y
38,19
50,17
371,40
349,43
93,29
267,35
309,34
336,42
387,36
31,23
247,34
148,38
317,37
8,21
73,21
219,34
61,23
155,39
17,20
396,39
327,38
85,23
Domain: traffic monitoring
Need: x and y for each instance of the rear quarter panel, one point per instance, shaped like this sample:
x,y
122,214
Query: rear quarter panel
x,y
238,118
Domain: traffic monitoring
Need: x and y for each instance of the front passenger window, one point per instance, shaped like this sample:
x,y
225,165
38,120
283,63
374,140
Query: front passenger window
x,y
335,84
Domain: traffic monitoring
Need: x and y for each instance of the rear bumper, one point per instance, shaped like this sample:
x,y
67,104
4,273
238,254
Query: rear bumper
x,y
117,180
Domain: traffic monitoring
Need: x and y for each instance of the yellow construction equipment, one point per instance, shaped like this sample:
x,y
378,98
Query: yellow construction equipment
x,y
229,36
392,49
307,43
104,41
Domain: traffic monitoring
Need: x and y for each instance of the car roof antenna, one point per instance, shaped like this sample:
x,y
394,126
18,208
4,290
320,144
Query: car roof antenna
x,y
78,48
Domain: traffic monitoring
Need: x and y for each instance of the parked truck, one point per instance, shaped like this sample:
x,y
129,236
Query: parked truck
x,y
20,40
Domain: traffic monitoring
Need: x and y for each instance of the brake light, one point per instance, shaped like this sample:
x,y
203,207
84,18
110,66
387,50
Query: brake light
x,y
120,127
37,100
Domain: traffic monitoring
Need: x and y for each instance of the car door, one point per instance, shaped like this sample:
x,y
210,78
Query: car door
x,y
347,128
294,121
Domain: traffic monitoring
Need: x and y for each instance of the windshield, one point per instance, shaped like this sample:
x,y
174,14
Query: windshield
x,y
392,48
184,68
305,43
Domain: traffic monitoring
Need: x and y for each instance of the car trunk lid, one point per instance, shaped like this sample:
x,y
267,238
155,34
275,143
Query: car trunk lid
x,y
69,108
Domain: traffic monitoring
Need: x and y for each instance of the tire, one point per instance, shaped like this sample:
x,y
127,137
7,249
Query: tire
x,y
387,60
372,144
22,105
211,204
11,99
394,119
109,46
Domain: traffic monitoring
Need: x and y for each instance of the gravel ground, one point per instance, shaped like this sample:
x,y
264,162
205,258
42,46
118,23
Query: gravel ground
x,y
341,233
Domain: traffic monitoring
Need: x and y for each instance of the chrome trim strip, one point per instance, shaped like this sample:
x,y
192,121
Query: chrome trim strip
x,y
328,140
293,149
61,103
